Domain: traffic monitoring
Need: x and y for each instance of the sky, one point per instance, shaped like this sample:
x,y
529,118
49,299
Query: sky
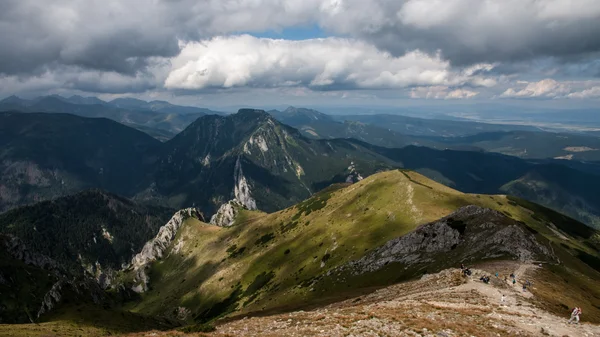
x,y
305,52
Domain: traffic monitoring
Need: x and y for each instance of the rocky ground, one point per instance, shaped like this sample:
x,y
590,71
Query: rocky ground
x,y
440,305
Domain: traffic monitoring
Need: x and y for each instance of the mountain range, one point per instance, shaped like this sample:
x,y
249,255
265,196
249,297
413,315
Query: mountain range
x,y
106,229
159,119
253,160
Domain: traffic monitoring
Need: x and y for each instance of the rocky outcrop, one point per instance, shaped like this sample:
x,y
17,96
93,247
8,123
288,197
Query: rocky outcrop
x,y
241,190
353,176
226,214
51,299
155,248
471,233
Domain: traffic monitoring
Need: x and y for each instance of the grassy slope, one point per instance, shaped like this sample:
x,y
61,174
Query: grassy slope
x,y
212,275
250,261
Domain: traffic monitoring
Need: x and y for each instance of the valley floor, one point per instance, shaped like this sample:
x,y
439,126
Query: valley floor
x,y
441,305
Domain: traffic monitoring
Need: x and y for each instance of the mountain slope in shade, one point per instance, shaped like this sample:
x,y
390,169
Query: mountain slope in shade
x,y
43,156
69,249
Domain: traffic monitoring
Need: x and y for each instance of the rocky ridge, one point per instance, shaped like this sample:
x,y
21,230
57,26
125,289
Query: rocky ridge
x,y
154,249
471,233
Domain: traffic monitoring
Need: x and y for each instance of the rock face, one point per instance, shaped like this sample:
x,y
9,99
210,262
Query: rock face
x,y
241,189
226,214
471,233
51,298
155,248
353,176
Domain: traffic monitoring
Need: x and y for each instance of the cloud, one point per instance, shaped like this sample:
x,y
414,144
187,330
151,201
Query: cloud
x,y
120,36
441,92
593,92
112,46
321,64
547,88
74,79
472,31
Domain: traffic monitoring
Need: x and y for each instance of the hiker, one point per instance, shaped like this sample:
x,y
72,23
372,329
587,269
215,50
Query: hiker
x,y
512,275
503,299
462,266
496,275
514,281
524,287
575,315
528,283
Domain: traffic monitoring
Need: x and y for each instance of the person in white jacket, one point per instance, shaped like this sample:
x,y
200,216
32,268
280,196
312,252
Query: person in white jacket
x,y
575,315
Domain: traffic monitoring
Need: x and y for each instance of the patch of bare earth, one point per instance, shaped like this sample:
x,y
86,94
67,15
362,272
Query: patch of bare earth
x,y
443,304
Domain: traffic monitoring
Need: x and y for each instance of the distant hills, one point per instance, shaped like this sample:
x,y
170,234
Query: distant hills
x,y
252,158
398,131
159,119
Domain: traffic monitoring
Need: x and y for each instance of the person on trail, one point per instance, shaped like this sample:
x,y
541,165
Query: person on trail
x,y
524,287
575,315
512,275
496,275
462,266
514,281
503,299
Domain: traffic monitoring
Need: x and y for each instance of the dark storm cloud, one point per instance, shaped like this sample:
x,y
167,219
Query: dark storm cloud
x,y
473,31
38,35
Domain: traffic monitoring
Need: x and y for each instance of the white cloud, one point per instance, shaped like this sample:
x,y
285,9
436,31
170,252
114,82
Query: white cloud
x,y
461,94
441,92
321,64
547,88
593,92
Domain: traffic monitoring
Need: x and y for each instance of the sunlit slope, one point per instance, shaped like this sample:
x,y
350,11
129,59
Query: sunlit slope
x,y
265,261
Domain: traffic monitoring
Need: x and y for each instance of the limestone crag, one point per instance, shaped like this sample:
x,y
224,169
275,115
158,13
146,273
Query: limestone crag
x,y
51,299
226,214
353,176
155,248
241,189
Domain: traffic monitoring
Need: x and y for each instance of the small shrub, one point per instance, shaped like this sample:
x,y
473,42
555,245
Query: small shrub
x,y
264,239
235,252
287,251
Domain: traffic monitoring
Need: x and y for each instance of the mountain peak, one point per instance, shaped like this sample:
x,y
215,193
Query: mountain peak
x,y
13,99
128,102
252,112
